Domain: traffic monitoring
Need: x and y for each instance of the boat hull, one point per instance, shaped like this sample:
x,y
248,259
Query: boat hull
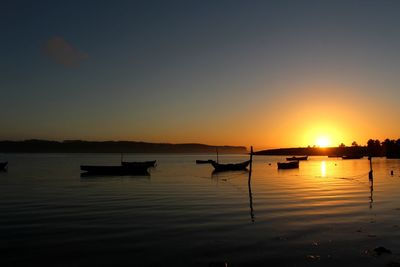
x,y
288,165
297,158
352,157
230,167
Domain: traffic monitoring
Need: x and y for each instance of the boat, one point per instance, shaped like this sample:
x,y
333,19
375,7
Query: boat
x,y
3,166
116,170
288,165
199,161
352,157
297,158
150,163
230,166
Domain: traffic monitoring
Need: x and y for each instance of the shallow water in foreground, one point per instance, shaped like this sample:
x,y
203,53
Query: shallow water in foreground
x,y
325,213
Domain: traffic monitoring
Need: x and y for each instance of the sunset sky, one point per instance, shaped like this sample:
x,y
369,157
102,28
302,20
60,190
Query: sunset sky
x,y
262,73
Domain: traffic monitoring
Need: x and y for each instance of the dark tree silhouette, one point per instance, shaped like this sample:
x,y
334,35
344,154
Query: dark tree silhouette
x,y
374,148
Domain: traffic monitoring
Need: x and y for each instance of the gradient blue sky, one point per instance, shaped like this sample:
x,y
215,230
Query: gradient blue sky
x,y
267,73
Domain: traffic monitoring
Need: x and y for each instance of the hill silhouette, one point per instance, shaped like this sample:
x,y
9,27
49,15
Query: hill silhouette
x,y
79,146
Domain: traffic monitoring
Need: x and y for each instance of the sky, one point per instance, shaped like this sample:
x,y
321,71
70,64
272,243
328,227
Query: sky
x,y
263,73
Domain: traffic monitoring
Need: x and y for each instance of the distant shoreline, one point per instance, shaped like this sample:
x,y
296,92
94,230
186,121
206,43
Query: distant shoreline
x,y
315,151
81,146
360,151
374,148
390,149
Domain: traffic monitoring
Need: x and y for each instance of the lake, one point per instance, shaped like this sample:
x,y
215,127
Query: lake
x,y
326,213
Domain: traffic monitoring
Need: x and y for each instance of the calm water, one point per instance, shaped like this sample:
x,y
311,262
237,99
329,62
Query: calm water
x,y
324,213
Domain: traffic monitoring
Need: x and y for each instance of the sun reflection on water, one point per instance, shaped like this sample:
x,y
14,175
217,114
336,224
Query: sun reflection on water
x,y
323,168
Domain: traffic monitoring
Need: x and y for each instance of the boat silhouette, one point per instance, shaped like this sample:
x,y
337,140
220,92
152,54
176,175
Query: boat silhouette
x,y
230,166
288,165
294,158
352,157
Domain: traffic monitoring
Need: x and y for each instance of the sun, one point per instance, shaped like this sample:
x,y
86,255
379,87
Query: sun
x,y
323,141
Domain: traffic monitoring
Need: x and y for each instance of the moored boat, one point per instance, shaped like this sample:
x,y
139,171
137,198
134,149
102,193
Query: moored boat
x,y
3,166
294,158
150,163
352,157
199,161
115,170
230,166
288,165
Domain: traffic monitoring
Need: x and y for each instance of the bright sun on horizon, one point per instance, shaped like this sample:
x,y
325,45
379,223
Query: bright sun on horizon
x,y
323,141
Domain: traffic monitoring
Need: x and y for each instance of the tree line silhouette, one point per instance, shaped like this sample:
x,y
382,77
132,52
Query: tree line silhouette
x,y
374,148
388,148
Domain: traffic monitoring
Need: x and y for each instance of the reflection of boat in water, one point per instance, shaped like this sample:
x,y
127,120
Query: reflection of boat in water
x,y
230,166
3,166
288,165
199,161
352,157
150,163
139,169
297,158
225,173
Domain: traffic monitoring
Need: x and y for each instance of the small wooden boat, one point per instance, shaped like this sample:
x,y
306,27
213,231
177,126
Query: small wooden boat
x,y
150,163
231,166
116,170
199,161
288,165
352,157
297,158
3,166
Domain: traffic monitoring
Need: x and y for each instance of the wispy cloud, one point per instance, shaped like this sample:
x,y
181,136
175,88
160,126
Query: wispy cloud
x,y
63,53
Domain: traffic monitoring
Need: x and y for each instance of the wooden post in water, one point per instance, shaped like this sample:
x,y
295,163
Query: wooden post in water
x,y
370,168
251,158
371,183
249,185
217,154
